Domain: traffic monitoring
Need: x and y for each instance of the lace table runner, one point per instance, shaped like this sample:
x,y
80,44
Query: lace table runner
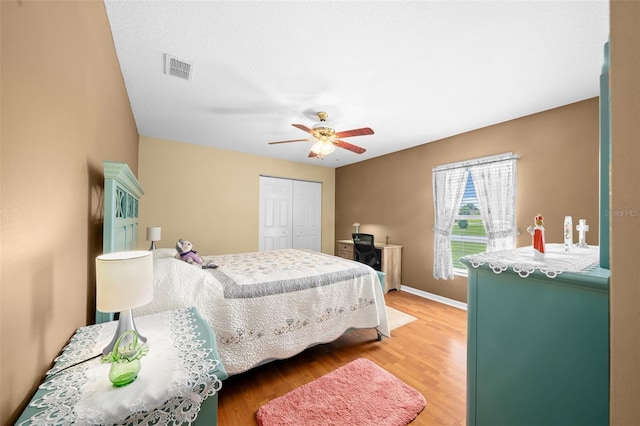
x,y
556,261
176,376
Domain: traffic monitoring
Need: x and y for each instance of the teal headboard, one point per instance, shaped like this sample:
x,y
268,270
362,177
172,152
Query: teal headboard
x,y
122,193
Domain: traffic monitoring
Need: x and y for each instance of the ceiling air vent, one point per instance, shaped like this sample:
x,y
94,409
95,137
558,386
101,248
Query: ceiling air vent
x,y
177,68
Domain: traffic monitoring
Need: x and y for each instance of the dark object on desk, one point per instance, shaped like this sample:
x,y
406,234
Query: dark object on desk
x,y
366,252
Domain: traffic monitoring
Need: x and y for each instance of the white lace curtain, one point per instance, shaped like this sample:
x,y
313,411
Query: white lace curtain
x,y
495,183
448,189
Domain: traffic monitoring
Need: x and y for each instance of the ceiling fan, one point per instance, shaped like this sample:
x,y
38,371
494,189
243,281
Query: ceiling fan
x,y
326,139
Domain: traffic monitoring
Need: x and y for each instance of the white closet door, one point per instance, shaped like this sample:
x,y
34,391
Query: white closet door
x,y
276,211
307,208
290,214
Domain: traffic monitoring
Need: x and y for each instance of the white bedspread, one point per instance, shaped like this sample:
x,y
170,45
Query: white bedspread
x,y
272,304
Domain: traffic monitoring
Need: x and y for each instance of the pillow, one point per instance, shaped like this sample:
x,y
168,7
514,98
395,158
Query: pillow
x,y
161,253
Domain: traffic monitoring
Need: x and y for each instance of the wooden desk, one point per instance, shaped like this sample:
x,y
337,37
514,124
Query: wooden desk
x,y
390,261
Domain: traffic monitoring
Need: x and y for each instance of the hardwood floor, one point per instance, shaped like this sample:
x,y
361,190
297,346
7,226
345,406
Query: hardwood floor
x,y
428,354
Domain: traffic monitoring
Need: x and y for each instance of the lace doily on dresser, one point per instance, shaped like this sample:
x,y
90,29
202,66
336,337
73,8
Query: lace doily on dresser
x,y
171,389
556,261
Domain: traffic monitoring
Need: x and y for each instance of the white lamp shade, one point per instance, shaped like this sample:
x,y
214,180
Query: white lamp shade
x,y
153,233
124,280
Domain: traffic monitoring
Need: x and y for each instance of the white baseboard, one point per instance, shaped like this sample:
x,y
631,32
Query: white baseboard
x,y
435,297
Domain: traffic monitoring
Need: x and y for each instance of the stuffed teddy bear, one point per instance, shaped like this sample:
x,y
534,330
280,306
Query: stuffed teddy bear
x,y
186,253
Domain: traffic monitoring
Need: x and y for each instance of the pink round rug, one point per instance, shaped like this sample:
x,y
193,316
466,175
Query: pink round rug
x,y
358,393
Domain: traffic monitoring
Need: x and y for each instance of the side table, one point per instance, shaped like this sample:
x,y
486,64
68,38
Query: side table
x,y
178,383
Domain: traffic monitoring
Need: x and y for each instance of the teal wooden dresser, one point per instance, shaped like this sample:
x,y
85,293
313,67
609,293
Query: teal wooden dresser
x,y
538,347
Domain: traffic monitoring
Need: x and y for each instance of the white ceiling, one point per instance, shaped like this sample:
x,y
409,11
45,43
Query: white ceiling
x,y
413,71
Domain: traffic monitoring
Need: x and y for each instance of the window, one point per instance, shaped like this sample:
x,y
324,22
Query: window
x,y
474,203
468,235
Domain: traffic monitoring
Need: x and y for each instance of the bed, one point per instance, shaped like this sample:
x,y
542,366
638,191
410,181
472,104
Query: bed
x,y
264,305
271,305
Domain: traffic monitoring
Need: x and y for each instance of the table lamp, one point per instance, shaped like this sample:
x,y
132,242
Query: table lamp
x,y
153,235
356,228
124,280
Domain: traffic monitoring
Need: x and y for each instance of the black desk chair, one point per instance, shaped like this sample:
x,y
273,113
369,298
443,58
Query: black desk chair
x,y
365,250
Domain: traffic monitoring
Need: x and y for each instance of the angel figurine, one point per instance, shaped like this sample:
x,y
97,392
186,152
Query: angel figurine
x,y
537,232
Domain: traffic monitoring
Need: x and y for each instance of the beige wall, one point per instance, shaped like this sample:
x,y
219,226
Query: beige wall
x,y
64,111
557,176
210,196
625,197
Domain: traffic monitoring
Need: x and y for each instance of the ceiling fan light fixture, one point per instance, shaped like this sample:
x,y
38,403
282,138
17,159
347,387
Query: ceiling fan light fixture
x,y
321,148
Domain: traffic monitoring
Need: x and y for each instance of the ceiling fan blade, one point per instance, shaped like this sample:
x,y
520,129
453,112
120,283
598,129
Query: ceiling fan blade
x,y
303,128
355,132
352,148
290,140
312,154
